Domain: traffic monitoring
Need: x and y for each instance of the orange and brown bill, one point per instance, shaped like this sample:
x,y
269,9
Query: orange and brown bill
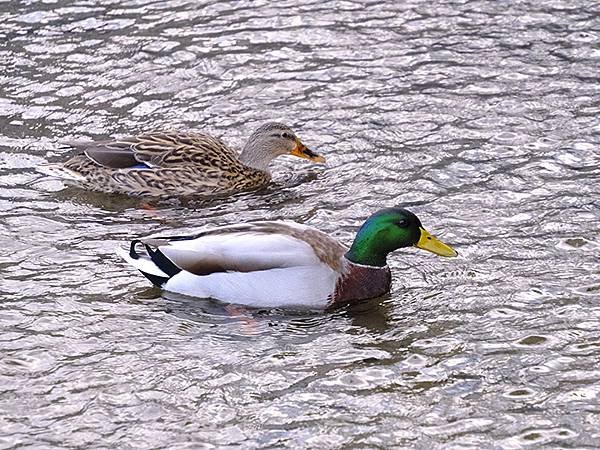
x,y
302,151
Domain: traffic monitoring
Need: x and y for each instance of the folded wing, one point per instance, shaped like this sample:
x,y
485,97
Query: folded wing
x,y
247,248
154,150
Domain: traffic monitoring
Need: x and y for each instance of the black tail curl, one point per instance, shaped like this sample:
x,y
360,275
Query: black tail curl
x,y
132,253
158,258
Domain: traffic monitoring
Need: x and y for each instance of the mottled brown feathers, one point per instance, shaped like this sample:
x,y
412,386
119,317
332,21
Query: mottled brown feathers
x,y
165,164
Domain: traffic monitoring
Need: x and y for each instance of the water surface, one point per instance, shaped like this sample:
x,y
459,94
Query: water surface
x,y
482,116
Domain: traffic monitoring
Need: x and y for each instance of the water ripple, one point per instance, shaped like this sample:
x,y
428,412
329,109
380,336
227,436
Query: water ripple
x,y
480,116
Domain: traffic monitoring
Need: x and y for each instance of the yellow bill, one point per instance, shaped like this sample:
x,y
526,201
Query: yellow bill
x,y
302,151
434,245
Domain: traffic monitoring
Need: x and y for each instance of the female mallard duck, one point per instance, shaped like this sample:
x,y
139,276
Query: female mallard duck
x,y
282,264
174,163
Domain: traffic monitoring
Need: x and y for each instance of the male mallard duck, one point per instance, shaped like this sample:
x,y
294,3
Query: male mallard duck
x,y
174,163
282,264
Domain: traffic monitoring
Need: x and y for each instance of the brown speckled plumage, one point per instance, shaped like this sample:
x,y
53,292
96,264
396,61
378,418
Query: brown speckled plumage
x,y
178,163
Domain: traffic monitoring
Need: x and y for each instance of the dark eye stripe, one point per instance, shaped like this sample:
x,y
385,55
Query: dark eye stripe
x,y
284,135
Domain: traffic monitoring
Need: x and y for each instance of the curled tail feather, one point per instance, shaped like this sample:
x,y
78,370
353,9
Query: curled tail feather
x,y
154,265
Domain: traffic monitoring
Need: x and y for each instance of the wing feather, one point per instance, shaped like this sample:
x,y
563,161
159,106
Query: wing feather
x,y
250,247
159,150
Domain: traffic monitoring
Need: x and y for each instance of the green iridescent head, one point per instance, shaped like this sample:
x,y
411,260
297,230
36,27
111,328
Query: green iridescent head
x,y
390,229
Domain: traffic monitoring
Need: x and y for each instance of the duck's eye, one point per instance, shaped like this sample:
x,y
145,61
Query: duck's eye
x,y
287,135
402,223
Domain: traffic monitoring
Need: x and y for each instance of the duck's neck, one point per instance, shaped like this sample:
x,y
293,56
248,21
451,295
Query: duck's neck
x,y
364,256
370,248
256,156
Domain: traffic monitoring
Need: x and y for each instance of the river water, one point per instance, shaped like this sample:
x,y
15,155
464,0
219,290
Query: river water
x,y
481,116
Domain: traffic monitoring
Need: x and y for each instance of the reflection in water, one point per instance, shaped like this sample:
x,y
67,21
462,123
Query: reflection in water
x,y
481,116
372,316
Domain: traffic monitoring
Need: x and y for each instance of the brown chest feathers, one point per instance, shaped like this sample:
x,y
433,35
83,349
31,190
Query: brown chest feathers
x,y
361,283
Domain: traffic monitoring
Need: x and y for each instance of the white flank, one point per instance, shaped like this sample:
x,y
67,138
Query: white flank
x,y
304,286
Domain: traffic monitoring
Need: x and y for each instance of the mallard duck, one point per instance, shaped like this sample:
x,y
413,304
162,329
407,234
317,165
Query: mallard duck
x,y
282,264
174,163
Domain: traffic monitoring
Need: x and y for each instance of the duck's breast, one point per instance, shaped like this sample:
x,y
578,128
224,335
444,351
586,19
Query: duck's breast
x,y
360,282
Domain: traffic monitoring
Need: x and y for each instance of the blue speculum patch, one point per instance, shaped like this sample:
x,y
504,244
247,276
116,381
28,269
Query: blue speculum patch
x,y
140,166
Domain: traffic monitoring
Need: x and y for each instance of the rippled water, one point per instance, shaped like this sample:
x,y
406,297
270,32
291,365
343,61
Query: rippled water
x,y
482,116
